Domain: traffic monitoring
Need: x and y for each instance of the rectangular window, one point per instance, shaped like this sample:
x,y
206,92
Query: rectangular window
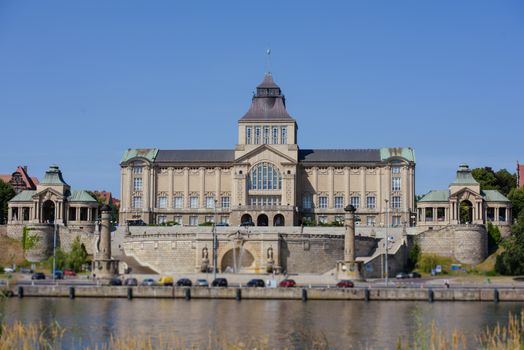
x,y
395,202
283,135
210,202
395,221
210,218
224,220
323,219
323,202
162,202
502,214
162,219
274,139
355,201
225,202
25,213
370,221
178,219
193,202
14,214
178,202
257,135
339,202
266,134
395,170
137,202
83,214
72,214
137,184
371,202
137,170
193,220
248,135
395,184
339,219
306,201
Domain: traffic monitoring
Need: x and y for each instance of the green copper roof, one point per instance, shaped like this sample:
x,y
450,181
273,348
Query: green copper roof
x,y
80,196
407,153
464,176
493,196
436,196
53,176
148,153
24,196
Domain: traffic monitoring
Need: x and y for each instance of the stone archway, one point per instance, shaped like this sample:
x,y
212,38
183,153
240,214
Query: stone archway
x,y
279,220
48,212
262,220
246,218
466,212
237,260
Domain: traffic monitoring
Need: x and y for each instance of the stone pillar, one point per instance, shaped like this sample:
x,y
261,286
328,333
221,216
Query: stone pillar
x,y
170,188
496,214
105,267
315,187
349,234
346,186
202,200
331,193
218,175
363,187
145,188
186,187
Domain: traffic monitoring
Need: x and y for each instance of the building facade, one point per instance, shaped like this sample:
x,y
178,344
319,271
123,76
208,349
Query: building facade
x,y
520,175
267,179
464,203
20,179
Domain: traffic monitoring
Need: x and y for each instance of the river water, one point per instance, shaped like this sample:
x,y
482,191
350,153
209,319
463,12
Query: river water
x,y
292,324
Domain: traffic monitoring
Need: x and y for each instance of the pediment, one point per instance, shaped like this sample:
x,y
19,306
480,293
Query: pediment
x,y
465,193
48,193
261,149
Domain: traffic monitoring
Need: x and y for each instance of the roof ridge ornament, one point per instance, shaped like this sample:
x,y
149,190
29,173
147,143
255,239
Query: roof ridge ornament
x,y
268,61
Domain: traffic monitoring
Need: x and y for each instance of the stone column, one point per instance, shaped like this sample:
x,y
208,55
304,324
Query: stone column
x,y
363,187
145,188
186,187
349,236
315,187
434,213
346,185
202,174
10,214
496,214
331,193
105,267
218,175
170,188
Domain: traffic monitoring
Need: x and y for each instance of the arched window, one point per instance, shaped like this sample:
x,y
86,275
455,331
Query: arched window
x,y
265,176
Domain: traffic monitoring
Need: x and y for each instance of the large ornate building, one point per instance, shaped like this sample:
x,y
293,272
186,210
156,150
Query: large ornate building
x,y
267,179
20,179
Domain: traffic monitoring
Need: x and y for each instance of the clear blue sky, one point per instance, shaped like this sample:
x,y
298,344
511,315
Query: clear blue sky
x,y
81,81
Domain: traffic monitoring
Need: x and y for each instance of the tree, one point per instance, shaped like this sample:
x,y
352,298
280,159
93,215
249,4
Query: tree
x,y
78,255
101,201
413,256
511,261
494,237
502,180
6,194
516,196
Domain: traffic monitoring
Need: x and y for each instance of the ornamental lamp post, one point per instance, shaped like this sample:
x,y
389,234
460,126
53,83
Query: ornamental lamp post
x,y
215,241
386,244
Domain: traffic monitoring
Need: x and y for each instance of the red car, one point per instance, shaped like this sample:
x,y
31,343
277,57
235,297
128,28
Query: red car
x,y
69,272
345,284
287,283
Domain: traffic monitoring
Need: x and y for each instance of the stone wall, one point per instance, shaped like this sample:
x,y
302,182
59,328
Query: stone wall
x,y
465,243
43,248
3,230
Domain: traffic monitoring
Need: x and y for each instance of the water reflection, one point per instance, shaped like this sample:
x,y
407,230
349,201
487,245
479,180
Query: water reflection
x,y
345,324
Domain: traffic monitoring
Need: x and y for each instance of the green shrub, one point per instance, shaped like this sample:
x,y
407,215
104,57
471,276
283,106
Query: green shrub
x,y
494,237
413,256
207,223
427,262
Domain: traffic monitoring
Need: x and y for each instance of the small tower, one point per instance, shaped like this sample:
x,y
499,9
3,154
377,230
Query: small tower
x,y
349,267
105,267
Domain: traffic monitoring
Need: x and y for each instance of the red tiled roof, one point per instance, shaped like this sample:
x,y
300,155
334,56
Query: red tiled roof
x,y
30,182
104,195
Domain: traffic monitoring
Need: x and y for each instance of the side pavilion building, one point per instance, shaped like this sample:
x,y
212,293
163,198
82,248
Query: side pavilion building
x,y
267,179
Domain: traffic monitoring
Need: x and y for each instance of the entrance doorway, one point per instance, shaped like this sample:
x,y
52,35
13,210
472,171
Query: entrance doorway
x,y
48,212
246,220
466,212
278,220
262,220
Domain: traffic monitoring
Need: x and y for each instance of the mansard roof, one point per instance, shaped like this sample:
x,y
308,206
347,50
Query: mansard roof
x,y
53,176
338,155
195,155
268,103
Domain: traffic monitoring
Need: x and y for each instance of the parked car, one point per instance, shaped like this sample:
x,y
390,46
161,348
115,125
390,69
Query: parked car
x,y
414,274
222,224
136,223
401,275
345,284
149,282
219,282
256,282
115,281
166,281
26,270
287,283
202,282
184,282
9,269
38,276
69,272
248,223
59,275
131,282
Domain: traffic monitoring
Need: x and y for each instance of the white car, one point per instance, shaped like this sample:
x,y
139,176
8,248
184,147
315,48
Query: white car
x,y
9,269
202,283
